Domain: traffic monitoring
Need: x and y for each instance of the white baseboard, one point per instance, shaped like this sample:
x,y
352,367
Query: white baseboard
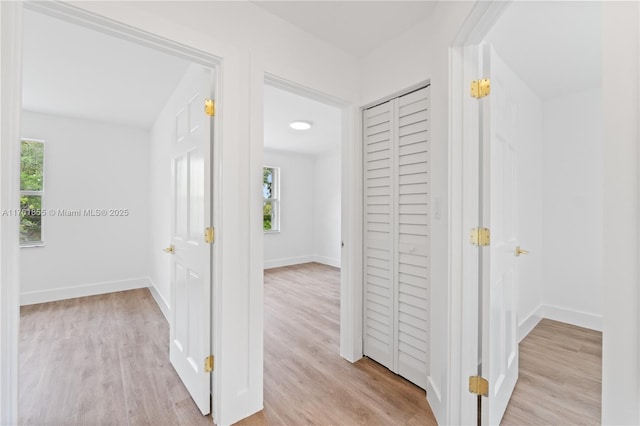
x,y
529,323
556,313
570,316
162,304
327,261
288,261
33,297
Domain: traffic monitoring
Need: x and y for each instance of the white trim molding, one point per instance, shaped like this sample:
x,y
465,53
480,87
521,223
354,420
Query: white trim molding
x,y
458,405
526,326
287,261
92,289
571,316
557,313
351,214
11,101
160,301
329,261
290,261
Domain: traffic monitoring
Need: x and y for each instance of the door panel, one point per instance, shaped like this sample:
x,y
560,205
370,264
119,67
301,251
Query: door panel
x,y
378,211
190,336
396,234
499,339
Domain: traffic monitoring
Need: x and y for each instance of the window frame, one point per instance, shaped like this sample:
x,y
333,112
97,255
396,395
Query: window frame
x,y
26,193
274,200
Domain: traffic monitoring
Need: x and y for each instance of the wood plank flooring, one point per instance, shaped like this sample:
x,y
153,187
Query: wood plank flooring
x,y
305,379
100,360
104,360
560,377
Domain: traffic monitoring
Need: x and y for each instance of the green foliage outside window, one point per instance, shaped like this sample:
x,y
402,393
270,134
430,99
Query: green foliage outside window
x,y
269,192
31,166
31,191
267,212
30,219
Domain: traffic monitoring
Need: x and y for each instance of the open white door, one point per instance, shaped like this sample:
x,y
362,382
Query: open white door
x,y
190,337
499,290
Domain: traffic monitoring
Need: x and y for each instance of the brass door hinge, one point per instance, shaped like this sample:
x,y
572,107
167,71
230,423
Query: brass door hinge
x,y
209,364
478,385
210,107
480,88
209,235
480,237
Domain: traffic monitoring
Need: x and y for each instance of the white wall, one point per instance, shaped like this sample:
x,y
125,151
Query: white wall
x,y
88,165
293,244
326,211
310,210
573,208
249,43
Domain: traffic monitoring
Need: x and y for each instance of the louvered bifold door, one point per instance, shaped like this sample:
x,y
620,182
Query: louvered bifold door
x,y
379,303
411,234
396,249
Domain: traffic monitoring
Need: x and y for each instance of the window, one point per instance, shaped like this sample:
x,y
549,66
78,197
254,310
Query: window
x,y
271,205
31,192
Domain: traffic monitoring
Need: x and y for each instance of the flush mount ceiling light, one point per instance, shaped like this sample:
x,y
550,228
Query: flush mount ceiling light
x,y
300,125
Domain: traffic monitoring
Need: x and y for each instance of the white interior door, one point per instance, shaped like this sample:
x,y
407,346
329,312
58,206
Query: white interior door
x,y
499,331
379,259
191,261
412,235
396,156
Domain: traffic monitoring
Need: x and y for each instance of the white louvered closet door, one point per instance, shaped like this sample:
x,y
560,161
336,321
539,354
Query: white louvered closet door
x,y
396,234
378,210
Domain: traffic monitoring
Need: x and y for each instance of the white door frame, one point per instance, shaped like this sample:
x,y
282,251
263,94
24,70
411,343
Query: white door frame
x,y
11,95
10,129
463,209
351,215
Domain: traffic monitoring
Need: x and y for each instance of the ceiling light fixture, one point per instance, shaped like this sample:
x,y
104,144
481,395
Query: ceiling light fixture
x,y
300,125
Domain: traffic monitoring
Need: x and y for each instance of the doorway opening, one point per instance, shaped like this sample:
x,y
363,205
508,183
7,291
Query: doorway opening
x,y
302,224
535,143
111,109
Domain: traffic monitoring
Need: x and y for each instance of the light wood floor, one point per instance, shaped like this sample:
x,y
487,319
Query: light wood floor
x,y
104,360
100,360
305,379
560,379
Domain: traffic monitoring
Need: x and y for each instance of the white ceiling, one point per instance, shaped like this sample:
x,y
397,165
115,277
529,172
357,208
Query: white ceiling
x,y
282,107
76,72
553,46
73,71
357,27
